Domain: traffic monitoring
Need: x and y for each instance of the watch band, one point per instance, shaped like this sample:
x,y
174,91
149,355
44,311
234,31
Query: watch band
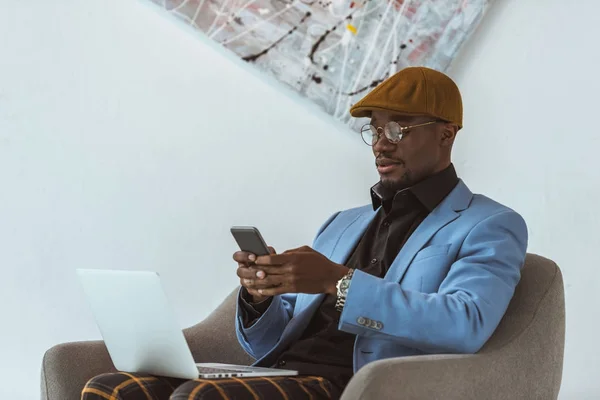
x,y
342,290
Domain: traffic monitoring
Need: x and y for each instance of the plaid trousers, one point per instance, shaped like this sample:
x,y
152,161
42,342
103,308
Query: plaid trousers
x,y
126,386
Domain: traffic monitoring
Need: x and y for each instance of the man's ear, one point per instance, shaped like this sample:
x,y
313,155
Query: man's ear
x,y
448,134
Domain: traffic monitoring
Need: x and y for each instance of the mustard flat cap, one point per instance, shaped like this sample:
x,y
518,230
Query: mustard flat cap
x,y
414,91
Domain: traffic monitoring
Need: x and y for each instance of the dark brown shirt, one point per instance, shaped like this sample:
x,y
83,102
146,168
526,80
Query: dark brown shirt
x,y
324,350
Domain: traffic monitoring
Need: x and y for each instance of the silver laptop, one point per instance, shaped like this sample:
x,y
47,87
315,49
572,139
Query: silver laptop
x,y
141,332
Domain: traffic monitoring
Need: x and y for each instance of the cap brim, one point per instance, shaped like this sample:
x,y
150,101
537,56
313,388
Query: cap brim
x,y
360,112
366,111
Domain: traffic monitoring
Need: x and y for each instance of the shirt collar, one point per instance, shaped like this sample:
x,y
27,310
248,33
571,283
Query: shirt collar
x,y
430,191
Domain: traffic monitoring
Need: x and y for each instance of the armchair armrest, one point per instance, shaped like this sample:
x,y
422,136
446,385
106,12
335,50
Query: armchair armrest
x,y
452,376
67,367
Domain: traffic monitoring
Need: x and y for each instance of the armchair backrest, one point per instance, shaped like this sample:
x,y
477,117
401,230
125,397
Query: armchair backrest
x,y
530,339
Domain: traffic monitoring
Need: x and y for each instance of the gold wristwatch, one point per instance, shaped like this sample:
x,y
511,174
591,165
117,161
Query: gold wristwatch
x,y
342,290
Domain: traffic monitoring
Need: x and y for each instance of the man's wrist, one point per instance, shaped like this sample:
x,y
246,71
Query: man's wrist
x,y
256,300
340,272
342,290
252,299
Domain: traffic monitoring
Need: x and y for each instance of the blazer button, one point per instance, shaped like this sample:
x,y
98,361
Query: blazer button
x,y
281,363
361,321
378,325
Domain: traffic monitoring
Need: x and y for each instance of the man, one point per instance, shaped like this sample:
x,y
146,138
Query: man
x,y
428,267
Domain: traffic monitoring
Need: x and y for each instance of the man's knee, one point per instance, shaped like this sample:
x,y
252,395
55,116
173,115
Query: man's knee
x,y
197,390
128,386
105,384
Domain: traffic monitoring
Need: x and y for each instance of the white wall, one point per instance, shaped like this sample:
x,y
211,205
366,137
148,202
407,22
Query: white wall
x,y
114,153
126,142
530,85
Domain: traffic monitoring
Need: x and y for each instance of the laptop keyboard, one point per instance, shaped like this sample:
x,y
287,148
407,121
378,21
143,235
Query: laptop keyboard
x,y
211,370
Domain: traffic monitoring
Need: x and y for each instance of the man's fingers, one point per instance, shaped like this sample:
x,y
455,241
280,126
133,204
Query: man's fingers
x,y
280,259
274,269
302,249
253,278
273,260
251,273
268,282
272,250
243,257
274,291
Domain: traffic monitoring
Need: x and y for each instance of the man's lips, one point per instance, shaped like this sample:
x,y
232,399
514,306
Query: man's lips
x,y
385,166
386,161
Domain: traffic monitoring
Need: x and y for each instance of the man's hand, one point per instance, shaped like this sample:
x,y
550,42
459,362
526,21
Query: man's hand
x,y
301,270
248,273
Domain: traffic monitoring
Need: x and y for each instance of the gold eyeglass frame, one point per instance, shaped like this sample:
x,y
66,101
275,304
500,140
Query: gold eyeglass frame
x,y
386,129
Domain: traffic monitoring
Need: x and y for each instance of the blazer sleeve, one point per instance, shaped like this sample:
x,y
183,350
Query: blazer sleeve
x,y
468,306
258,338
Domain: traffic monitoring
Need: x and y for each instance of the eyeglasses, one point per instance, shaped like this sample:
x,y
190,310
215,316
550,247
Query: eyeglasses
x,y
392,130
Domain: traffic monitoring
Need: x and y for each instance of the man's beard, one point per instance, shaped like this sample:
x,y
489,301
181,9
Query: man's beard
x,y
395,185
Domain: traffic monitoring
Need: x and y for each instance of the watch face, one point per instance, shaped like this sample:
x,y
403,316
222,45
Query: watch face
x,y
344,285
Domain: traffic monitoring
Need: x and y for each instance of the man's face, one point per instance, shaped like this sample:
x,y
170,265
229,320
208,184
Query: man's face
x,y
421,152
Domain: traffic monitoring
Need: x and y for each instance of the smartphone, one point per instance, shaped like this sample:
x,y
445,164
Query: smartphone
x,y
249,239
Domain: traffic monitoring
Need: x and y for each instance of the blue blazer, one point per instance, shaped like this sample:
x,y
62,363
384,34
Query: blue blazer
x,y
445,292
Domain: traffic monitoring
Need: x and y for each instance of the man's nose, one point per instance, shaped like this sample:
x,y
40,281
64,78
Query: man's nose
x,y
382,144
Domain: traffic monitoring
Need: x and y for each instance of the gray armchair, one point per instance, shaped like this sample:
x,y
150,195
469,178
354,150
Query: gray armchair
x,y
522,360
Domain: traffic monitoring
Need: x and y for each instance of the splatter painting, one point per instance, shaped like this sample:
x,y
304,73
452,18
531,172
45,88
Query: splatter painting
x,y
334,52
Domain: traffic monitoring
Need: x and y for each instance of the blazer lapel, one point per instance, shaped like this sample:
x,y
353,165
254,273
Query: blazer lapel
x,y
444,213
350,237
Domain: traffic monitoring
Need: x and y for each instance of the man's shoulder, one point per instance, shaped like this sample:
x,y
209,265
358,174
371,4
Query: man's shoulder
x,y
486,212
486,207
